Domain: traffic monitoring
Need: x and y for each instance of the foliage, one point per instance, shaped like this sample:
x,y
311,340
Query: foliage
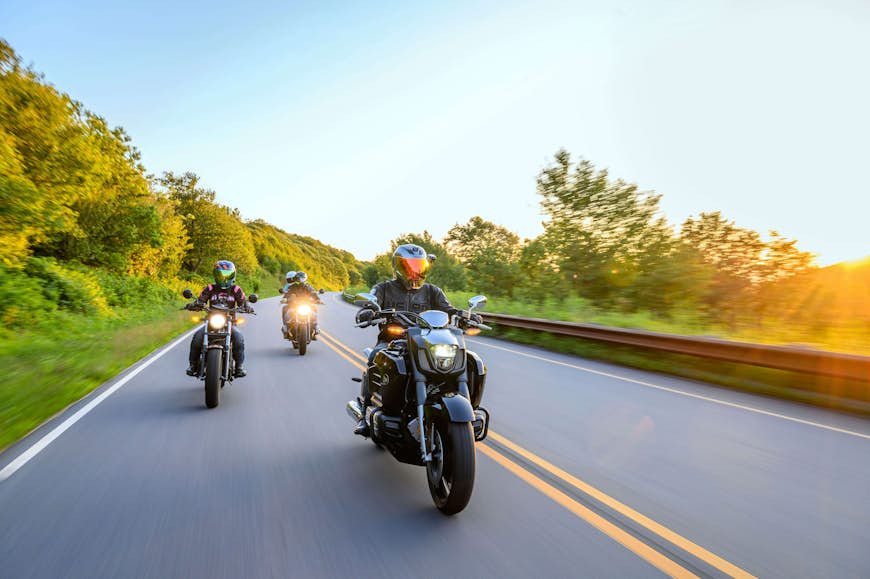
x,y
489,253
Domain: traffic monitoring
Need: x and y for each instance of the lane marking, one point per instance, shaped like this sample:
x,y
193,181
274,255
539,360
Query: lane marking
x,y
660,530
346,348
583,512
639,548
676,391
43,442
335,349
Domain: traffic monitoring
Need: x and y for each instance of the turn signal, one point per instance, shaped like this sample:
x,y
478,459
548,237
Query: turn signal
x,y
240,321
472,331
394,330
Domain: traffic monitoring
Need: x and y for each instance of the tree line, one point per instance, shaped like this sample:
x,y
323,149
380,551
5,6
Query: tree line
x,y
607,241
73,192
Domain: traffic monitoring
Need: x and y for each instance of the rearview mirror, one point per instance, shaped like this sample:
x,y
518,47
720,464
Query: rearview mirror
x,y
476,303
432,257
365,299
253,298
187,294
280,290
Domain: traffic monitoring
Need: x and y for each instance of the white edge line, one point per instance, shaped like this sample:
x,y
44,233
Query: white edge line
x,y
681,392
43,442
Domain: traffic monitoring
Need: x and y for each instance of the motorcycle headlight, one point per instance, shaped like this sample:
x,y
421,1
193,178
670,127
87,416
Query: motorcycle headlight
x,y
443,355
217,321
303,310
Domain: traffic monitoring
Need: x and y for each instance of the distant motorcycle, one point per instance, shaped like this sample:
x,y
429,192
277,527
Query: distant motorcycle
x,y
299,316
425,391
216,365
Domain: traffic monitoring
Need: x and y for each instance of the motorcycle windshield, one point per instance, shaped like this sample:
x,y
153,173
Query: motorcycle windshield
x,y
439,337
435,318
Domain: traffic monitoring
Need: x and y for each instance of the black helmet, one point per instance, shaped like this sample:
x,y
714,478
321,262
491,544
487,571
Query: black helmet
x,y
224,274
410,265
291,276
301,276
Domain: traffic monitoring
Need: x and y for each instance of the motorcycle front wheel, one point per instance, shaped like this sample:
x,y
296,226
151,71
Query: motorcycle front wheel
x,y
212,377
451,472
302,336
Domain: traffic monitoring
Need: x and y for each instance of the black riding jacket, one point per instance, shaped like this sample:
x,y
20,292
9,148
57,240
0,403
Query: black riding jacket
x,y
393,295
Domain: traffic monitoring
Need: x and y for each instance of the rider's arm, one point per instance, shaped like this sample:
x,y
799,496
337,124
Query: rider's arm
x,y
439,301
204,295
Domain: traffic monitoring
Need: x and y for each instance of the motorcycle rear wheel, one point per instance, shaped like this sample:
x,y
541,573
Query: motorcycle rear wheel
x,y
213,378
451,472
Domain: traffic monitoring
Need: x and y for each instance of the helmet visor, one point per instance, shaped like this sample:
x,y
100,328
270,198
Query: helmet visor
x,y
224,276
413,270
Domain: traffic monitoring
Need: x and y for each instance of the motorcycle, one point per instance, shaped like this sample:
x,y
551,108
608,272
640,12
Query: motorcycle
x,y
299,316
425,390
216,365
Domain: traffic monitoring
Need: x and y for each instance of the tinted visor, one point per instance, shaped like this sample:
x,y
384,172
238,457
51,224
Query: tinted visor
x,y
223,276
412,269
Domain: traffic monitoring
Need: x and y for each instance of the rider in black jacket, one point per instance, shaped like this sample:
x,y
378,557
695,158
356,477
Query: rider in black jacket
x,y
224,286
407,292
299,288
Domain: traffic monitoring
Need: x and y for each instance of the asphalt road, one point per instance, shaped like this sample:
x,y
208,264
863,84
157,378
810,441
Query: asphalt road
x,y
592,470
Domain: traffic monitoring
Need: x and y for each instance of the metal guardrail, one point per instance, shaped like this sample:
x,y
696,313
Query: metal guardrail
x,y
794,359
791,358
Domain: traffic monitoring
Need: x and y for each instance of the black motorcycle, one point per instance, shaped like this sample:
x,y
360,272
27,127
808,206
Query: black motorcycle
x,y
216,365
299,315
425,389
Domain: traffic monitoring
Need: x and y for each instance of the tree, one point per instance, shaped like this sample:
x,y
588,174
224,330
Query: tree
x,y
214,231
599,233
489,253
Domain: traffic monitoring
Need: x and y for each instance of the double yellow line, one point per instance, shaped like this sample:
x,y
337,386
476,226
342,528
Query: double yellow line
x,y
638,547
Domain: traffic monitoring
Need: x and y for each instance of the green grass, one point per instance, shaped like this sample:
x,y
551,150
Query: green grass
x,y
50,368
53,357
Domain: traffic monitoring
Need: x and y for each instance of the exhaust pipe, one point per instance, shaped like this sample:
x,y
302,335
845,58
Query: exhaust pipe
x,y
354,410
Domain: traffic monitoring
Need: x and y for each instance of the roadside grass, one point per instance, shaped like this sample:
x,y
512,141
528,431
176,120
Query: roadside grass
x,y
54,356
50,368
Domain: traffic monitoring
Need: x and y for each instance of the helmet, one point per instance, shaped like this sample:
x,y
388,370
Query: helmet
x,y
224,274
291,276
411,264
301,277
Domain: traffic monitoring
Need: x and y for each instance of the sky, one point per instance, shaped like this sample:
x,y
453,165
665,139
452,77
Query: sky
x,y
354,122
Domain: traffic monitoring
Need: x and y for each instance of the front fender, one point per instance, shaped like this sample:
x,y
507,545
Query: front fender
x,y
458,408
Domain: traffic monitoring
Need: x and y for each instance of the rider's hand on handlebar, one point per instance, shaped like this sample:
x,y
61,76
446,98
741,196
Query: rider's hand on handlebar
x,y
364,316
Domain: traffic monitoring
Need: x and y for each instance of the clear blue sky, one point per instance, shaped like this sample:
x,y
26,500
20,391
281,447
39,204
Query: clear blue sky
x,y
353,122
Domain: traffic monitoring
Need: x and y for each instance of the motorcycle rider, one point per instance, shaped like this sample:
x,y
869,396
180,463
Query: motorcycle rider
x,y
224,287
406,292
297,289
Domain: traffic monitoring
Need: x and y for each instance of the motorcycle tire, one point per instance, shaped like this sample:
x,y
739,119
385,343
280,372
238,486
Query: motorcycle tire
x,y
456,471
212,378
303,341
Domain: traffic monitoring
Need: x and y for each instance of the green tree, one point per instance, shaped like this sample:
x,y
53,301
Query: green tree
x,y
214,231
490,254
599,233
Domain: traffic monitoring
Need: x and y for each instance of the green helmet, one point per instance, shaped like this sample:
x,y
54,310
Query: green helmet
x,y
224,274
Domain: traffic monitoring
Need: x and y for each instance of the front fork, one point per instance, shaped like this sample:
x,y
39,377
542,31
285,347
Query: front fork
x,y
421,399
